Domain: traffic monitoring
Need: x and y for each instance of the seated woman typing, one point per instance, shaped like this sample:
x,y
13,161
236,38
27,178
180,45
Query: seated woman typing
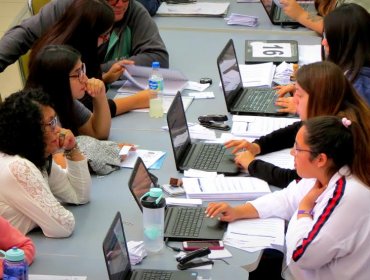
x,y
329,228
321,89
32,185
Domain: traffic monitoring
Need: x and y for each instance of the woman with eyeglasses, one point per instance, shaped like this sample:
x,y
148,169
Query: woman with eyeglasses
x,y
59,71
340,31
321,89
328,235
33,186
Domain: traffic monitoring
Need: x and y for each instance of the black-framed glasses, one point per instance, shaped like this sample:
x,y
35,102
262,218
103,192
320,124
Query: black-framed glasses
x,y
52,124
296,150
115,2
80,73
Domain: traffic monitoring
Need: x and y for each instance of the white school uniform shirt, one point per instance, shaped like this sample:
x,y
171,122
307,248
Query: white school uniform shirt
x,y
30,198
334,244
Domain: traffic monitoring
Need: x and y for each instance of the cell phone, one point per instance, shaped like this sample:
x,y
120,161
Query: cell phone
x,y
197,244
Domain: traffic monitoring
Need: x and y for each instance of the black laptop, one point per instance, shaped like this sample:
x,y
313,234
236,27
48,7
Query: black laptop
x,y
118,261
277,15
201,156
240,100
181,223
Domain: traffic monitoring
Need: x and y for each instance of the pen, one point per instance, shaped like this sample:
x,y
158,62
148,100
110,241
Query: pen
x,y
247,126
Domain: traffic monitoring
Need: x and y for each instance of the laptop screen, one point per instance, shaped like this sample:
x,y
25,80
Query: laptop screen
x,y
229,73
115,251
140,181
267,4
178,129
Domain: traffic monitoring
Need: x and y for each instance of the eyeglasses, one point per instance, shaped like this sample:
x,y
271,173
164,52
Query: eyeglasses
x,y
52,124
80,73
296,150
115,2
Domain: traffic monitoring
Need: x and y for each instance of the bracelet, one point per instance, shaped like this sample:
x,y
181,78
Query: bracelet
x,y
68,153
308,212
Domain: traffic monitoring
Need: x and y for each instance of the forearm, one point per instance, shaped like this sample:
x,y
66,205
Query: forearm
x,y
126,104
246,211
101,118
311,21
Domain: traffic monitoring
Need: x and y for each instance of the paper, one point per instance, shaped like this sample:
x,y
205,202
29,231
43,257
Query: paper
x,y
55,277
309,54
199,132
219,254
149,158
183,201
137,79
136,251
202,95
196,86
225,188
239,19
257,75
167,101
193,9
281,158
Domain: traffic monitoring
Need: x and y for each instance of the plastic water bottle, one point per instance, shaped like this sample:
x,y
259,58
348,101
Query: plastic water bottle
x,y
156,85
153,204
14,265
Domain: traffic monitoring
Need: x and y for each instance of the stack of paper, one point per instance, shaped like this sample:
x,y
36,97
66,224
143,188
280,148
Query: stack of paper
x,y
256,234
283,73
257,75
238,19
136,251
150,158
194,9
225,188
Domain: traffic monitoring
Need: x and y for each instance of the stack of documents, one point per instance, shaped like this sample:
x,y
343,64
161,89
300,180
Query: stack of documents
x,y
283,73
238,19
150,158
256,234
194,9
136,251
257,75
225,188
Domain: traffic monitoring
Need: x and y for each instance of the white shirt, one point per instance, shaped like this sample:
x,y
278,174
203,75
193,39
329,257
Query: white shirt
x,y
334,244
28,199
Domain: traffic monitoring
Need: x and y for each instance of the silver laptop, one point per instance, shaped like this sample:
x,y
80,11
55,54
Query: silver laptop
x,y
118,261
201,156
180,223
240,100
277,15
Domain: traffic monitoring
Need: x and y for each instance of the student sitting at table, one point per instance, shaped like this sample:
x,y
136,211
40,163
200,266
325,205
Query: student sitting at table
x,y
321,89
315,21
85,26
11,237
61,74
328,235
354,59
32,185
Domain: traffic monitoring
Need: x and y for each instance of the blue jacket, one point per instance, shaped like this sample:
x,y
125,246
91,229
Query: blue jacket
x,y
362,84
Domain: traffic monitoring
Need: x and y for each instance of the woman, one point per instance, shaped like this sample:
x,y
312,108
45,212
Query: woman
x,y
354,59
323,239
59,71
85,26
315,21
11,237
32,185
321,89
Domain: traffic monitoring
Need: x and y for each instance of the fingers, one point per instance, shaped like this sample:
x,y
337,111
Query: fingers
x,y
124,62
95,87
67,140
215,209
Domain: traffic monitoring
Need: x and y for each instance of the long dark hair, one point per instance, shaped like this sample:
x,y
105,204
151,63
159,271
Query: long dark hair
x,y
344,144
346,29
21,129
50,71
80,26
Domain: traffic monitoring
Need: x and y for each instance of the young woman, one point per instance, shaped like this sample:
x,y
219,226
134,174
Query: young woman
x,y
321,89
11,237
329,228
59,71
85,26
32,185
315,21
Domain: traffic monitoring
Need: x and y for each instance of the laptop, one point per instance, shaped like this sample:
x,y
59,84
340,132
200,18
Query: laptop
x,y
180,223
118,262
201,156
240,100
278,17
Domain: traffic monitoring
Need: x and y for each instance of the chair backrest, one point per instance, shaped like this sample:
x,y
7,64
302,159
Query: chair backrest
x,y
35,5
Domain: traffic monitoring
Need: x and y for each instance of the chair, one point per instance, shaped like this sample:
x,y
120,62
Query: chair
x,y
35,5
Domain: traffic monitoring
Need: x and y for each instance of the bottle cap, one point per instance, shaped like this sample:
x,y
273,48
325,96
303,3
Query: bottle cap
x,y
153,199
14,255
155,192
155,64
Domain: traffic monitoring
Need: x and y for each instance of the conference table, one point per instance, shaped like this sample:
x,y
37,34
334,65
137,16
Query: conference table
x,y
193,44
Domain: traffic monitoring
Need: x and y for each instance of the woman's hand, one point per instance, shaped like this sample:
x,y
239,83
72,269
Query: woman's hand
x,y
67,140
288,105
283,90
292,9
243,159
309,200
95,88
221,210
116,71
241,145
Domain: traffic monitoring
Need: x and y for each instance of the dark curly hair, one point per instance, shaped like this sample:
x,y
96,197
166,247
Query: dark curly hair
x,y
21,130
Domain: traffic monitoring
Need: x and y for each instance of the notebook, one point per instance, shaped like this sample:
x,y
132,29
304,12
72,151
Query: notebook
x,y
239,100
180,223
118,261
278,17
201,156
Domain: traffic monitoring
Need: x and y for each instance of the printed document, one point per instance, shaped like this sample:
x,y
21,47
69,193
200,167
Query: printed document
x,y
194,9
257,75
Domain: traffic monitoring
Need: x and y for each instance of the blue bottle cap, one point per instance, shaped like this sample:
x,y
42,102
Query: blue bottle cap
x,y
156,192
155,64
14,255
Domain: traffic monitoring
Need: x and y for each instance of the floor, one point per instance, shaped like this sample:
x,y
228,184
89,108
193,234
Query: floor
x,y
11,12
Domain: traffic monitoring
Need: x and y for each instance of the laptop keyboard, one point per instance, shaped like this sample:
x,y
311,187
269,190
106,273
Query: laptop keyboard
x,y
156,275
209,157
256,102
188,222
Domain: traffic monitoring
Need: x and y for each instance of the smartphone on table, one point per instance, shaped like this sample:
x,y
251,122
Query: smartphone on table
x,y
197,244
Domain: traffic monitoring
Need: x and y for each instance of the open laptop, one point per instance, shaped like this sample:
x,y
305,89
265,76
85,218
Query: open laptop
x,y
240,100
201,156
180,223
278,17
118,262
